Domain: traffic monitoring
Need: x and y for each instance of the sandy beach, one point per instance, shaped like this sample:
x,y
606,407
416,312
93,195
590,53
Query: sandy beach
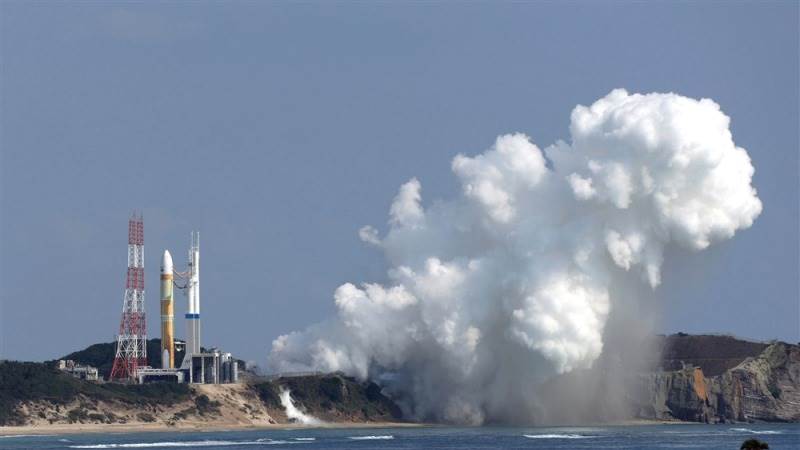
x,y
207,427
25,430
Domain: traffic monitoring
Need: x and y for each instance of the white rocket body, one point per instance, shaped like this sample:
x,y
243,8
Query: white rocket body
x,y
193,299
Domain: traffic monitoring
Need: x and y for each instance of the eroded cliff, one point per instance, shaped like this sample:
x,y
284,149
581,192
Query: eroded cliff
x,y
761,388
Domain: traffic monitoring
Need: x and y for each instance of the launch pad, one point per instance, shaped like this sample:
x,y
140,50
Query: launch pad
x,y
199,365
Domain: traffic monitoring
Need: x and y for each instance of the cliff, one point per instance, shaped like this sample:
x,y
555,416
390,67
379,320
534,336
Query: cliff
x,y
764,387
714,353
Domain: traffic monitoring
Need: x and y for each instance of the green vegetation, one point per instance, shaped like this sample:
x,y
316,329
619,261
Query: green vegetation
x,y
182,414
331,397
77,415
334,396
28,381
268,394
97,417
144,417
102,356
206,406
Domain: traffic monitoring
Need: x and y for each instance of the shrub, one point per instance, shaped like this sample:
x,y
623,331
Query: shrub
x,y
332,388
206,406
146,417
268,394
77,415
180,415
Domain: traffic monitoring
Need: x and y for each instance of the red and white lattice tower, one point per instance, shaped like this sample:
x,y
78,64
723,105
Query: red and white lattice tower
x,y
132,338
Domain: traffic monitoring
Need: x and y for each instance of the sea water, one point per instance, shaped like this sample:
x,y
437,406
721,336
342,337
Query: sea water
x,y
778,436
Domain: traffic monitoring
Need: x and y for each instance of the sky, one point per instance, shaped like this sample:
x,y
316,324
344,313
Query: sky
x,y
278,130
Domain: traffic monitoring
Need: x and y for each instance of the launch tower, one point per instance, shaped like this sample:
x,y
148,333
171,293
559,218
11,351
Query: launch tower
x,y
132,339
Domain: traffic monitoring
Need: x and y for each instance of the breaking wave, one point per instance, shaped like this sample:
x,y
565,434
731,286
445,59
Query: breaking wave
x,y
371,438
159,444
748,430
164,444
10,436
558,436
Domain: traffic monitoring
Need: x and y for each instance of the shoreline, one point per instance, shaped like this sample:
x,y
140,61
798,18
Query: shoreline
x,y
59,429
77,428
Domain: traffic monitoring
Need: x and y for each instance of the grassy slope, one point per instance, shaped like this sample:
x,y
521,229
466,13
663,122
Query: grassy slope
x,y
28,381
332,397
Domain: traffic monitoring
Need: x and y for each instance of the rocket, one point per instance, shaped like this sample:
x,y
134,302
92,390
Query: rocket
x,y
193,298
167,314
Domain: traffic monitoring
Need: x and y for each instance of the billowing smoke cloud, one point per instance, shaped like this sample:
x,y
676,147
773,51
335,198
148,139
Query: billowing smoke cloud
x,y
514,281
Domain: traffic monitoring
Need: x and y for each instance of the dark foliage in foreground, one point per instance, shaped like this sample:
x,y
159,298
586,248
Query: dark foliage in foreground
x,y
268,393
754,444
333,396
29,381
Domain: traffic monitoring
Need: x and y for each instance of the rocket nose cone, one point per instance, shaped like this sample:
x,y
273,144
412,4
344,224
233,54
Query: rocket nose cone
x,y
166,262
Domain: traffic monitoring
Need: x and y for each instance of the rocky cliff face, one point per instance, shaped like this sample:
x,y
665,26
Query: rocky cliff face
x,y
766,388
761,388
681,395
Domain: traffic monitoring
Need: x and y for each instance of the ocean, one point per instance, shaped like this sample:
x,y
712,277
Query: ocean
x,y
778,436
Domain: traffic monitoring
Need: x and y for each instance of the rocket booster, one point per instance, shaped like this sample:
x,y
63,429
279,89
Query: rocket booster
x,y
167,313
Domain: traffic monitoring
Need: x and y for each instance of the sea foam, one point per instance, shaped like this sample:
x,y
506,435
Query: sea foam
x,y
557,436
748,430
371,438
208,443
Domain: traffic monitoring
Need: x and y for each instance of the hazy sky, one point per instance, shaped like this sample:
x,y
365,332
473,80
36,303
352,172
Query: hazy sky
x,y
278,130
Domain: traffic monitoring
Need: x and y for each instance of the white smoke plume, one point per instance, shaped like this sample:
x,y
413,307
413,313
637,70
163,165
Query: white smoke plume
x,y
292,412
514,281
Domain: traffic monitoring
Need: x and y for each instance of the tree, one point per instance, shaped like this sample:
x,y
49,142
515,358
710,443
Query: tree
x,y
753,444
